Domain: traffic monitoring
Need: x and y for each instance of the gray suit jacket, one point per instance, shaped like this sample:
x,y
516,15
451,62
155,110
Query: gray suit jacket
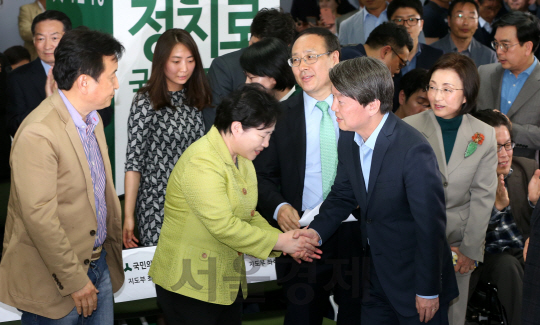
x,y
351,30
469,183
480,53
524,112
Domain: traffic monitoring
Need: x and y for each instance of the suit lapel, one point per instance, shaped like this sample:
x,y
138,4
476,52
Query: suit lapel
x,y
464,135
296,129
358,172
40,78
381,145
77,146
527,91
496,86
433,134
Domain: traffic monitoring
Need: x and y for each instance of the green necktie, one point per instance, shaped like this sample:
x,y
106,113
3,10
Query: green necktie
x,y
327,137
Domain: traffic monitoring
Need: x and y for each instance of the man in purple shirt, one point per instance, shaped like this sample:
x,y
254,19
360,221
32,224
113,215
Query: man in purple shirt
x,y
62,256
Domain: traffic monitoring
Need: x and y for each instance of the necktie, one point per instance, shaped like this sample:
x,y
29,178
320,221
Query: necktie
x,y
327,138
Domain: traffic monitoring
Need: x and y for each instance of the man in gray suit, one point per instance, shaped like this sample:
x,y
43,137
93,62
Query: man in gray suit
x,y
463,23
226,74
513,85
356,29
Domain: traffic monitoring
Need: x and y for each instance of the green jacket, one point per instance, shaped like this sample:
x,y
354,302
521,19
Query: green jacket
x,y
210,220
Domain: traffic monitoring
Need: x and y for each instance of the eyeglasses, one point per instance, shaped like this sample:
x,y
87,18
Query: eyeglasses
x,y
502,46
402,62
308,59
446,91
509,146
409,21
461,17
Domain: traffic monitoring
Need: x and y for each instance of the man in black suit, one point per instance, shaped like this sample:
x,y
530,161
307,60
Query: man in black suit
x,y
531,278
294,175
226,74
410,14
31,83
390,171
388,43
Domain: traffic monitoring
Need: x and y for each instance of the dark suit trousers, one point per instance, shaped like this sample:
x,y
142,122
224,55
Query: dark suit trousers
x,y
505,271
307,286
377,309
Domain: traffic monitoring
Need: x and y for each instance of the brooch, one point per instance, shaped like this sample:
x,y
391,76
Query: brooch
x,y
477,139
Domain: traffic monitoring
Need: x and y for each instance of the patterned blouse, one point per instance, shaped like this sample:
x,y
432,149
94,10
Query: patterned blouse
x,y
156,140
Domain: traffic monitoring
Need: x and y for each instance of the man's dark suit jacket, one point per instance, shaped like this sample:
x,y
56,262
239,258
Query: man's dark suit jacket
x,y
427,58
26,90
531,278
352,51
483,36
402,213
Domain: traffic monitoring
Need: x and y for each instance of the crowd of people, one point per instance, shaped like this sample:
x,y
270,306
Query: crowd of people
x,y
413,128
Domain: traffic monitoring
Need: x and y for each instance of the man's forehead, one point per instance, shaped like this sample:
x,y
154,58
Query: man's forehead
x,y
316,44
405,12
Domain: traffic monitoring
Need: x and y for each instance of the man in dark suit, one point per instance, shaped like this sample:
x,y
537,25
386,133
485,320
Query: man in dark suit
x,y
388,42
226,74
294,175
509,224
390,171
488,11
410,14
531,278
30,84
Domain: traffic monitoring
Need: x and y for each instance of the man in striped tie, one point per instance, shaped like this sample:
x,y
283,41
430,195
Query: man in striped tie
x,y
64,216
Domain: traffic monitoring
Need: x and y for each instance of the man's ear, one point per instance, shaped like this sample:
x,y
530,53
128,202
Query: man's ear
x,y
402,99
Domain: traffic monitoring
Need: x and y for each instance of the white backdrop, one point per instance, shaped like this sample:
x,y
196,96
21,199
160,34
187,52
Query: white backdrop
x,y
221,25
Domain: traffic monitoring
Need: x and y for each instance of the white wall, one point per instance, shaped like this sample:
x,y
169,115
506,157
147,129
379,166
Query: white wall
x,y
9,24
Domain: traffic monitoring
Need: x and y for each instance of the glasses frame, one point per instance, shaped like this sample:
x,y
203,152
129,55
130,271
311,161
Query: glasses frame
x,y
462,17
500,146
502,46
430,88
317,56
402,63
408,21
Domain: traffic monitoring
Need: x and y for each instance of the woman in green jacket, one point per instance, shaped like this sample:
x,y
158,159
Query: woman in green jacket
x,y
210,218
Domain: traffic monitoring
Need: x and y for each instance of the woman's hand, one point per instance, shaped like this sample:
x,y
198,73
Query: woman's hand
x,y
464,264
50,85
129,239
300,244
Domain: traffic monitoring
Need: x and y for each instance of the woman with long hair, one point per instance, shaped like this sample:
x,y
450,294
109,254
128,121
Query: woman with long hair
x,y
166,117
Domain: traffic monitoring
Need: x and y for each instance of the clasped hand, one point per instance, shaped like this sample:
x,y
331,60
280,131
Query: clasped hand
x,y
300,244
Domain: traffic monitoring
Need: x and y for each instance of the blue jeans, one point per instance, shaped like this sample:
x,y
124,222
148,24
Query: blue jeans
x,y
98,272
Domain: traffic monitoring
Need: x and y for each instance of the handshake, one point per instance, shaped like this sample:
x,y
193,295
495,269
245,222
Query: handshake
x,y
300,244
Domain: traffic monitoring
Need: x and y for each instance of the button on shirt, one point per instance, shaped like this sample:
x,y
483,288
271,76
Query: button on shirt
x,y
313,192
511,86
95,163
371,21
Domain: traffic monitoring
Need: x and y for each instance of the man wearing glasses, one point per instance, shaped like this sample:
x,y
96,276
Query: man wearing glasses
x,y
509,225
463,23
388,42
295,174
512,86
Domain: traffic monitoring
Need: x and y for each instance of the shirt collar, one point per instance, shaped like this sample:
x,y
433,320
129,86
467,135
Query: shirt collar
x,y
289,94
46,67
370,143
528,71
93,117
454,47
366,13
509,173
40,6
310,102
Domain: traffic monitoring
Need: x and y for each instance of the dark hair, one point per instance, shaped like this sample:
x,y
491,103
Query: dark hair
x,y
81,51
527,27
467,72
364,79
455,2
494,118
396,4
330,40
391,34
268,58
52,15
273,23
413,81
198,92
16,54
250,105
